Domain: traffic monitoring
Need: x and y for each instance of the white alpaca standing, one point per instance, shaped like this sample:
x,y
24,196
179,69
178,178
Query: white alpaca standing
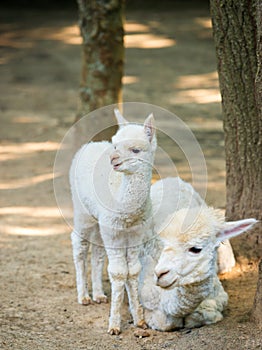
x,y
110,186
179,286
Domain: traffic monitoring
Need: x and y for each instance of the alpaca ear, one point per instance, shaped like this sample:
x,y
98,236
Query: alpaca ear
x,y
234,228
149,127
121,121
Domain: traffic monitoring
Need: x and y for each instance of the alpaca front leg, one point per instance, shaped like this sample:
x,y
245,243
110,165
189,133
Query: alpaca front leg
x,y
80,249
157,319
210,310
206,313
134,268
117,269
118,289
97,262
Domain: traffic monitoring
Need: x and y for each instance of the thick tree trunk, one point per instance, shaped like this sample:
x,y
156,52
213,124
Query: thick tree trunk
x,y
101,25
237,28
256,314
235,33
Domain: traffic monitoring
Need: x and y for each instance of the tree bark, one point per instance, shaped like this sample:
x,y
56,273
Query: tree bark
x,y
235,33
101,25
256,314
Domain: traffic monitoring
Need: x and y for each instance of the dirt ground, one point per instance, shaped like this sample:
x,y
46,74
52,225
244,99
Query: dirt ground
x,y
170,62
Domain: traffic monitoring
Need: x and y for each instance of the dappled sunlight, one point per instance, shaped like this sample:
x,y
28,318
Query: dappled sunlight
x,y
205,25
200,96
35,231
26,119
68,35
25,182
28,219
42,212
19,150
207,80
205,124
16,40
138,35
130,79
136,27
28,147
22,39
148,41
200,88
204,22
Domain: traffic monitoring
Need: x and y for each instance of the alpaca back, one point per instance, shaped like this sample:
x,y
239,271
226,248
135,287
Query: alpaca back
x,y
171,194
92,179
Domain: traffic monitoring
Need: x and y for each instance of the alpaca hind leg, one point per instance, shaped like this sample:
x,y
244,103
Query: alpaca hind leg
x,y
97,262
80,247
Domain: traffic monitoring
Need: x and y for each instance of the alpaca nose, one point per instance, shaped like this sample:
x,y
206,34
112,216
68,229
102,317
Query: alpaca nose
x,y
115,156
160,274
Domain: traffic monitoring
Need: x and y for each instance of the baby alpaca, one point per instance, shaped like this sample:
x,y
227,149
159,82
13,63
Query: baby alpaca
x,y
110,185
179,283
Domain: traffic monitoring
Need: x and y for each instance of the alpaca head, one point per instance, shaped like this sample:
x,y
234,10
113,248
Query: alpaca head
x,y
134,145
191,239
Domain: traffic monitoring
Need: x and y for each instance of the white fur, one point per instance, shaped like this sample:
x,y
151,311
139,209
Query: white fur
x,y
171,194
110,186
179,284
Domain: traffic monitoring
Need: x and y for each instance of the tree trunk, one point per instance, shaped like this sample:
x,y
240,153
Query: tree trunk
x,y
256,314
235,33
101,25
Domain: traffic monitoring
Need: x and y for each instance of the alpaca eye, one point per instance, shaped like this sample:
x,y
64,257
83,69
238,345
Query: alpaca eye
x,y
195,250
135,150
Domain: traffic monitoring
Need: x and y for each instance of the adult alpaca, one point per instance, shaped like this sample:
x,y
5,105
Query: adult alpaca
x,y
110,185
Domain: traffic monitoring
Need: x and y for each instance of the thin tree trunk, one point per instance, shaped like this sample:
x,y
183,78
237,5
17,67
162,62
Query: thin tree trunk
x,y
235,34
101,25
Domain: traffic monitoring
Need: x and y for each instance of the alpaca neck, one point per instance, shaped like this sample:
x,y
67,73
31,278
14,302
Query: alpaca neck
x,y
134,192
183,300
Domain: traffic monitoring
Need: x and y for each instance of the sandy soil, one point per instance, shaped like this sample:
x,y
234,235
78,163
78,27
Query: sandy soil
x,y
170,63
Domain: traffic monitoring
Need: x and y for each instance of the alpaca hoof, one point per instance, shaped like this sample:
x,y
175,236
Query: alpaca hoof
x,y
114,331
142,324
86,301
101,299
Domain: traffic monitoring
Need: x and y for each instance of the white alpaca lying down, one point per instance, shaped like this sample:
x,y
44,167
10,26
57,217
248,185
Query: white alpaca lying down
x,y
172,194
110,184
179,286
